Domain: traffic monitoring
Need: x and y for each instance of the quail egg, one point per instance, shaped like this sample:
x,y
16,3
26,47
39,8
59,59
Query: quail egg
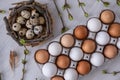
x,y
42,20
25,14
34,21
38,29
28,24
21,20
16,27
29,34
35,13
22,31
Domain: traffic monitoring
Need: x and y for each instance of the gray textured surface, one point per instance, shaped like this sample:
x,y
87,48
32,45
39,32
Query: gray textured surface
x,y
7,43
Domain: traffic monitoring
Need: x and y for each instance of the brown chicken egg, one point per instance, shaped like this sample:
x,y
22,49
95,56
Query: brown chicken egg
x,y
57,78
42,56
89,46
114,30
83,67
110,51
80,32
67,40
107,16
63,61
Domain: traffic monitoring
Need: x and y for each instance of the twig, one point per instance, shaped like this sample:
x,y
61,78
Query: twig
x,y
64,29
106,4
113,73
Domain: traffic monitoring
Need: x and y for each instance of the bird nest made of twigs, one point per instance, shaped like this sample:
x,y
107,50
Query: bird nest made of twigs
x,y
31,21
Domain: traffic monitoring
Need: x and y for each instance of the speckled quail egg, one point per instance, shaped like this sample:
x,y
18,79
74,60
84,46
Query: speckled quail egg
x,y
34,21
25,14
29,34
35,13
22,31
38,29
21,20
28,24
16,27
42,20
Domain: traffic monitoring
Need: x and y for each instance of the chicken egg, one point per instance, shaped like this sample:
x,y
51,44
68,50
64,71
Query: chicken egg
x,y
97,59
57,78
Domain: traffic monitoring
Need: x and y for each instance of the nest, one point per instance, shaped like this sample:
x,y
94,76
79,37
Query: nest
x,y
29,6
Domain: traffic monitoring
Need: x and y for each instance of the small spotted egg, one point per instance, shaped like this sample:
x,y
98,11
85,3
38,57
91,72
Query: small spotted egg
x,y
29,34
16,27
38,29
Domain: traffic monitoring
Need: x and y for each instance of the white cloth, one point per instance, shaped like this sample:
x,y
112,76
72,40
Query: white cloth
x,y
33,71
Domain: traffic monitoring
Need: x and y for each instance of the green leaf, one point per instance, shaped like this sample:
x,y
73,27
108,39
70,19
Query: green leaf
x,y
2,11
70,17
26,52
64,29
104,71
86,14
22,41
118,2
81,4
98,0
66,6
114,73
24,61
106,4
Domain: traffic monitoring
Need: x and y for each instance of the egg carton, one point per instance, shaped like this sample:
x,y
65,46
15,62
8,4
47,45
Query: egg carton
x,y
73,75
31,21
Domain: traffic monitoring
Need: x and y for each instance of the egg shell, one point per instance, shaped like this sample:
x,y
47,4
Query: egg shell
x,y
55,48
97,59
114,30
25,14
94,24
49,70
107,16
63,61
118,44
83,67
80,32
70,74
89,46
16,27
41,56
102,38
76,54
67,40
57,78
110,51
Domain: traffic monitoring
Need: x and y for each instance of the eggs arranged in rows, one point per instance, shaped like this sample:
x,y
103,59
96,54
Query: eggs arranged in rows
x,y
81,48
29,24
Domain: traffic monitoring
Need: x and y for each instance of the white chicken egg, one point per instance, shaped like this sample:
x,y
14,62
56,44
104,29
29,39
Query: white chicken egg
x,y
94,24
118,44
76,54
16,27
49,70
102,38
97,59
38,29
70,74
55,48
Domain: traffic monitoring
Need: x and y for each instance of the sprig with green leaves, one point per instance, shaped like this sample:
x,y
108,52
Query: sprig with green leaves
x,y
24,60
118,2
82,5
2,11
64,28
113,73
106,4
66,7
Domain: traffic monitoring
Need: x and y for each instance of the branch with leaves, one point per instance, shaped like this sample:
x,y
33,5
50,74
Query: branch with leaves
x,y
66,7
106,4
2,11
118,2
113,73
64,29
82,5
24,60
